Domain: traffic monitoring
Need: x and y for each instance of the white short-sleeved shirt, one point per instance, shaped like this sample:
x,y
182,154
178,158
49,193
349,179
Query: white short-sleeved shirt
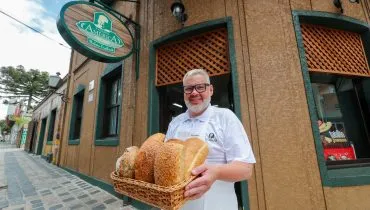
x,y
227,142
224,134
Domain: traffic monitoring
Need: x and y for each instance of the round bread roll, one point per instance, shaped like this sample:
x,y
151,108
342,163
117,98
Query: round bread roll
x,y
125,165
169,164
144,164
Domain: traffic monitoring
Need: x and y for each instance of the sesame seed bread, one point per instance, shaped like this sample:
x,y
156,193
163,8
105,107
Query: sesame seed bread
x,y
144,164
196,154
169,164
176,159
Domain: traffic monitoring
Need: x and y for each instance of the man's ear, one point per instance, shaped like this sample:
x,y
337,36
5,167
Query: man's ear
x,y
211,90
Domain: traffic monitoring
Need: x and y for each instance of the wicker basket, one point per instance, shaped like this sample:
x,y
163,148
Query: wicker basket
x,y
169,198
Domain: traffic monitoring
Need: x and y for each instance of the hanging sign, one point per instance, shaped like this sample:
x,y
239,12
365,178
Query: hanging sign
x,y
95,32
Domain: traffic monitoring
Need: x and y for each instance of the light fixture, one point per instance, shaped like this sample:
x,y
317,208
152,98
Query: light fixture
x,y
338,4
178,105
178,10
54,83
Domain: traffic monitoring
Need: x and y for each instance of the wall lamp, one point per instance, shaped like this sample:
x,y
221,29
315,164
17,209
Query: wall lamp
x,y
338,4
178,10
54,84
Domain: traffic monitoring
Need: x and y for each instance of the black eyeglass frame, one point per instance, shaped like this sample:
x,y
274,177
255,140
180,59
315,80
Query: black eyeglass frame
x,y
195,87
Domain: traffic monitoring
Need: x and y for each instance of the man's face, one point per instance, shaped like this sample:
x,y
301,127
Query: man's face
x,y
195,101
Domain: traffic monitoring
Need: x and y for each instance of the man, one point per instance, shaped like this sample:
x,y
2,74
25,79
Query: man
x,y
230,157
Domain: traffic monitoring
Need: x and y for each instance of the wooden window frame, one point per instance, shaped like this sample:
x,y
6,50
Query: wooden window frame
x,y
111,72
344,176
78,100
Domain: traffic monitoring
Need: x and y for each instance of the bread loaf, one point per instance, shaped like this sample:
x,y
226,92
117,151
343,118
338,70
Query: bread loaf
x,y
196,154
177,141
169,164
125,165
144,164
176,159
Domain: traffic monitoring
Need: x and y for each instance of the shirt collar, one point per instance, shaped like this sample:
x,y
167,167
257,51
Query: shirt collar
x,y
203,117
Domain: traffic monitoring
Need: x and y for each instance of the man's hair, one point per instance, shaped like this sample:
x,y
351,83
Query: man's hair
x,y
194,72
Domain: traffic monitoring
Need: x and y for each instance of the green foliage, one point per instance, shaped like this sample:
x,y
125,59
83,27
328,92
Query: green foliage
x,y
20,121
19,83
4,127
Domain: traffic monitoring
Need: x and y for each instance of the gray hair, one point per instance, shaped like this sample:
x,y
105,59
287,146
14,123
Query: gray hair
x,y
194,72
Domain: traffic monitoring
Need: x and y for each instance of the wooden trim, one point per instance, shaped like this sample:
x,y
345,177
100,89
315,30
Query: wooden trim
x,y
207,50
334,51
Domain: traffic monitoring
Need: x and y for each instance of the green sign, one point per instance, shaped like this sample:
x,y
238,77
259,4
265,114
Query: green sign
x,y
95,32
99,33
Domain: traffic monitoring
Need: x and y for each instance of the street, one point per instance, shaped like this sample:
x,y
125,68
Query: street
x,y
28,182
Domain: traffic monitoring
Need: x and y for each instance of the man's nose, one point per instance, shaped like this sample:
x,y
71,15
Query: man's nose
x,y
194,92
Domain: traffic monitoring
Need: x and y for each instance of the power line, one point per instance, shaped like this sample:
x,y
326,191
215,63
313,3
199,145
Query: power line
x,y
35,30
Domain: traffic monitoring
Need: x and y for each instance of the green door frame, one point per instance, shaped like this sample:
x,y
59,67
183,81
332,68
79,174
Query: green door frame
x,y
153,103
41,137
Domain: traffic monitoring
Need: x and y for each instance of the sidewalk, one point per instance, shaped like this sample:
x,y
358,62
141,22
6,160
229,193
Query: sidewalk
x,y
29,182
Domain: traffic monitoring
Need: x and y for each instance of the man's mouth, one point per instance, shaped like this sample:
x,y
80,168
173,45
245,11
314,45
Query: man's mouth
x,y
195,100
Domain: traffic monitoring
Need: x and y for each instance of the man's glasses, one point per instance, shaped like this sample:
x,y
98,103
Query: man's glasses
x,y
200,88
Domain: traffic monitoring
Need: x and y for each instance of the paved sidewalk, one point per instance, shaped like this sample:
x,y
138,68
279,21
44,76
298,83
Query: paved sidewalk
x,y
29,182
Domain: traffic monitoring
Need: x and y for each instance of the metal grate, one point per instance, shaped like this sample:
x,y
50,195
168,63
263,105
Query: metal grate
x,y
334,51
208,51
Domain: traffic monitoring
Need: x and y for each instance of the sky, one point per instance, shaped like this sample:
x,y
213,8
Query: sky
x,y
20,45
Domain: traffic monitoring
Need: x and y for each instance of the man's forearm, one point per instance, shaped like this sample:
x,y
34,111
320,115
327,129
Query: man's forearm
x,y
235,171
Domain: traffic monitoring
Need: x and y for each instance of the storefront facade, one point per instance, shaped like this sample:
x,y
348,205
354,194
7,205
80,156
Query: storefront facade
x,y
274,64
45,129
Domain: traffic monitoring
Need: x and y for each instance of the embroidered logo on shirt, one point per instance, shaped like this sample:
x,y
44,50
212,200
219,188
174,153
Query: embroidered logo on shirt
x,y
211,137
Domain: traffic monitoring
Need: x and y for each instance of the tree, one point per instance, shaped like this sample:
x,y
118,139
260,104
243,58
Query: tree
x,y
19,83
4,127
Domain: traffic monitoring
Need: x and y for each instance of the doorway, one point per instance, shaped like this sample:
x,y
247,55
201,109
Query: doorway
x,y
41,137
33,137
171,104
208,45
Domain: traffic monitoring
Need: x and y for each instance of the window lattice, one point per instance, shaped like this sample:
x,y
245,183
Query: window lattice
x,y
208,51
334,51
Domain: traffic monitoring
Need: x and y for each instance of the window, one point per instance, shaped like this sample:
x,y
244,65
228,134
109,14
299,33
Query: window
x,y
109,107
111,111
343,112
349,94
76,117
51,126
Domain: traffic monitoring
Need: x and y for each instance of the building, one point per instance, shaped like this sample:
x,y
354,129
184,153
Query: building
x,y
288,69
45,128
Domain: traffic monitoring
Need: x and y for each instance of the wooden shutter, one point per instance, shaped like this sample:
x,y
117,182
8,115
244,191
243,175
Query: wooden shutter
x,y
208,51
334,51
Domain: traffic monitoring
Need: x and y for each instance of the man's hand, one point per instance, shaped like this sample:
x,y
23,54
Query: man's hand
x,y
199,186
232,172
